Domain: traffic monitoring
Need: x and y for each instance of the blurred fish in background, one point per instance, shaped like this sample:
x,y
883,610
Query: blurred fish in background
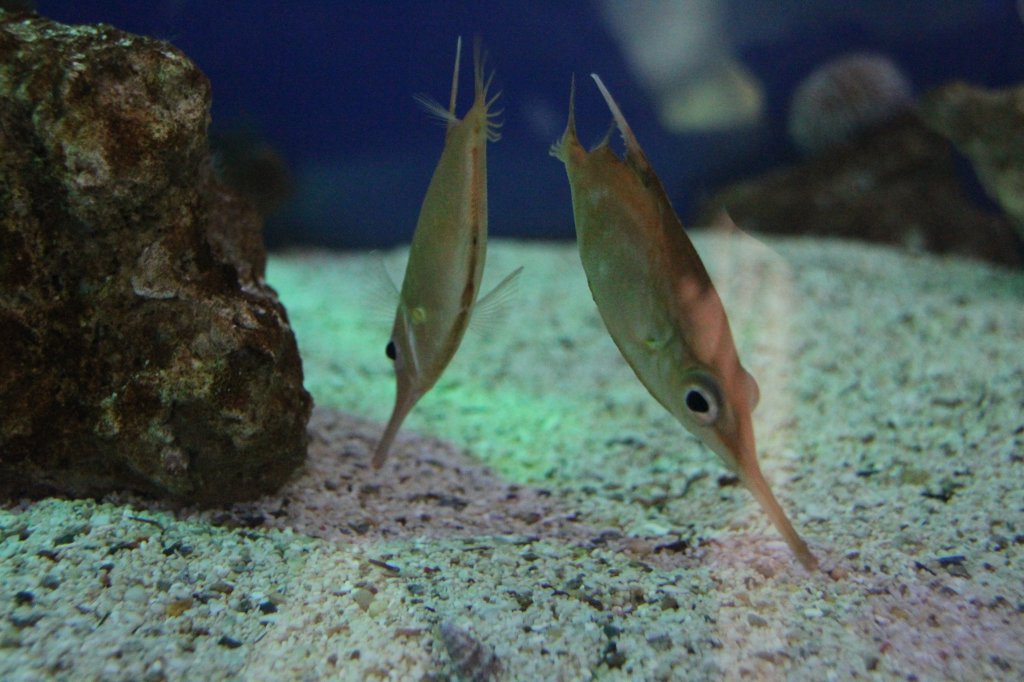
x,y
682,55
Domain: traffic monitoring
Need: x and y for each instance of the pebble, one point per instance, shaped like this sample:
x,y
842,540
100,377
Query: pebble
x,y
137,594
363,597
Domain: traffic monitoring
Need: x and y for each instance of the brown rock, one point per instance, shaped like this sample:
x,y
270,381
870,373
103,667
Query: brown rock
x,y
896,184
987,126
141,347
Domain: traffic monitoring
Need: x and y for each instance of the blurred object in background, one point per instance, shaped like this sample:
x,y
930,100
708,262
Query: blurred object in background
x,y
896,184
680,52
987,126
247,163
844,98
710,82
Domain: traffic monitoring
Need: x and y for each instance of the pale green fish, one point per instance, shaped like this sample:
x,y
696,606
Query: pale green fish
x,y
446,258
660,306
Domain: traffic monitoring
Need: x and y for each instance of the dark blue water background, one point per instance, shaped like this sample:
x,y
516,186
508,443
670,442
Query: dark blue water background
x,y
330,85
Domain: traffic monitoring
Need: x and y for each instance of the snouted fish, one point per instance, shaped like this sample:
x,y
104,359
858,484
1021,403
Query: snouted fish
x,y
446,258
660,306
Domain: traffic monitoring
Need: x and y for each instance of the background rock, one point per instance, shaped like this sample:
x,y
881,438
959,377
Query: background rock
x,y
845,97
141,347
987,126
896,184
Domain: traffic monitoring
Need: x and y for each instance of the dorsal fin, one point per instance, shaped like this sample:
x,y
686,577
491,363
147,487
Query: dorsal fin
x,y
481,91
558,149
434,108
634,154
452,120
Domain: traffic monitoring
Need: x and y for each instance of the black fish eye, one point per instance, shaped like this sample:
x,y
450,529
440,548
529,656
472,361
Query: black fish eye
x,y
389,350
697,402
701,399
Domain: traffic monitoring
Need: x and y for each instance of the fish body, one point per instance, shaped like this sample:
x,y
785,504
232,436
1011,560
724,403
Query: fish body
x,y
446,257
660,306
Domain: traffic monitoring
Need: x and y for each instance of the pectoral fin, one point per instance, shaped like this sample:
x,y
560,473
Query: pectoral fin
x,y
380,291
493,305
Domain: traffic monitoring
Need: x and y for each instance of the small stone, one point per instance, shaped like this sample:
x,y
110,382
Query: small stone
x,y
471,659
222,586
660,642
137,594
176,607
26,621
612,657
229,642
958,571
363,597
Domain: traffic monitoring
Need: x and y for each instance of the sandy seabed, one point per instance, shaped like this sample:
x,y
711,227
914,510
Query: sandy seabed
x,y
543,518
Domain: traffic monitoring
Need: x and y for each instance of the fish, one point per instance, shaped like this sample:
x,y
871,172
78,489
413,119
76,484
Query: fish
x,y
660,306
440,290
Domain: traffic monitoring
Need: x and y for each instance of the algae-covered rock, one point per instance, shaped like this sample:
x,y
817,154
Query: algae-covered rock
x,y
141,347
988,127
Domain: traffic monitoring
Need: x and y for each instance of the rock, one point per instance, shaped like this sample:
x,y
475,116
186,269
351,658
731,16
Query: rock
x,y
895,184
252,167
846,97
140,346
987,126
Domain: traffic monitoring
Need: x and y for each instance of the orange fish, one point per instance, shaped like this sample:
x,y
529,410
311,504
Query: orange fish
x,y
660,306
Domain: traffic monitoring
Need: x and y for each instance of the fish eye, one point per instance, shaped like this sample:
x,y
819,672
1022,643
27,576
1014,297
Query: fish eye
x,y
389,350
702,402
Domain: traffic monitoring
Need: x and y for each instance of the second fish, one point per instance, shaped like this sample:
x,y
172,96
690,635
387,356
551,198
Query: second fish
x,y
446,258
